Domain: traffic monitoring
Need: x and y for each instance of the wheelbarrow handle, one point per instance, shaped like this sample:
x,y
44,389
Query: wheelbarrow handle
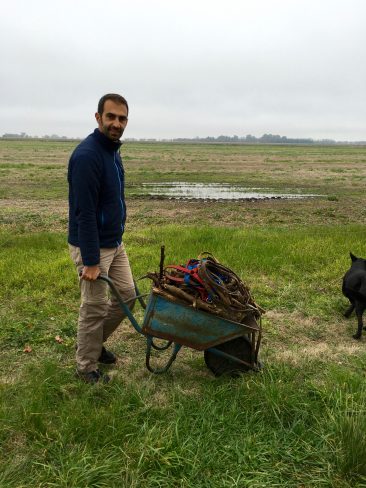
x,y
122,303
139,296
150,341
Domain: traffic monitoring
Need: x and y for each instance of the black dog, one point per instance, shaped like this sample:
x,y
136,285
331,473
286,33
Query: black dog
x,y
354,288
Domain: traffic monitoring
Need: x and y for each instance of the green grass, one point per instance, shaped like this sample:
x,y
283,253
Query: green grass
x,y
287,426
280,428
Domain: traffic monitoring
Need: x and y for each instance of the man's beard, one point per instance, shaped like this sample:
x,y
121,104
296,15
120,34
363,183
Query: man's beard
x,y
113,134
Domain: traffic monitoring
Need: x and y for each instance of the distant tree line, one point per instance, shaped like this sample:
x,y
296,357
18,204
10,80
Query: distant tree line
x,y
23,135
264,139
248,139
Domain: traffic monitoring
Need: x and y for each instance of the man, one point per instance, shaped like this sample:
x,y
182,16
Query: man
x,y
97,215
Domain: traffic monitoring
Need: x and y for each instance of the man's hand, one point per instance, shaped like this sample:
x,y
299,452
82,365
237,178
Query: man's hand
x,y
90,273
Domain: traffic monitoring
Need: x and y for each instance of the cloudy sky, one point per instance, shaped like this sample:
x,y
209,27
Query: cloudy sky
x,y
187,68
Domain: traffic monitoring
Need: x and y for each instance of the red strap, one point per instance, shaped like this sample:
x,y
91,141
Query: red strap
x,y
174,278
193,273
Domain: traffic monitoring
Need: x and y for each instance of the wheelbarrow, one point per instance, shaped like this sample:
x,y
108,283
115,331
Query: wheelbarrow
x,y
229,347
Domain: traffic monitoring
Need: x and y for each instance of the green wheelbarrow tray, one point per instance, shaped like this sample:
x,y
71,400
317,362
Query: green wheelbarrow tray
x,y
229,347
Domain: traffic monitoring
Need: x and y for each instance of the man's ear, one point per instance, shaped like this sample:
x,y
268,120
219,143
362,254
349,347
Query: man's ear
x,y
97,117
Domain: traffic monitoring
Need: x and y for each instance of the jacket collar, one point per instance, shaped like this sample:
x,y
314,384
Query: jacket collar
x,y
105,142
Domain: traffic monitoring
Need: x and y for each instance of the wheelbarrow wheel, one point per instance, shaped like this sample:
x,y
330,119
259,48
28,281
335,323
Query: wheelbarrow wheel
x,y
240,348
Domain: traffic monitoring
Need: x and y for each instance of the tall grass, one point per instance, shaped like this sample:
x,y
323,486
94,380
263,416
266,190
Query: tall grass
x,y
279,428
292,425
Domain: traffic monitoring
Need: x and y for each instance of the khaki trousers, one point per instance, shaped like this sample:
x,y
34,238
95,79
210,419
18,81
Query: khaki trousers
x,y
99,313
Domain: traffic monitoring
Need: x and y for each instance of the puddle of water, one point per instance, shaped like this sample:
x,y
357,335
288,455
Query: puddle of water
x,y
215,191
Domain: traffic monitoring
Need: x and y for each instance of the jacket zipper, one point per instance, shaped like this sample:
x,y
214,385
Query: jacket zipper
x,y
120,192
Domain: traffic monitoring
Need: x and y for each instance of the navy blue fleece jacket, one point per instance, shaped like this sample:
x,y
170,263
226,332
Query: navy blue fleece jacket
x,y
97,211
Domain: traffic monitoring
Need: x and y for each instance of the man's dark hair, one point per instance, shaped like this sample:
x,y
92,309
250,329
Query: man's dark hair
x,y
111,96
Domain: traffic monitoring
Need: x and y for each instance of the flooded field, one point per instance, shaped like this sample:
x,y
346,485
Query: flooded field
x,y
217,191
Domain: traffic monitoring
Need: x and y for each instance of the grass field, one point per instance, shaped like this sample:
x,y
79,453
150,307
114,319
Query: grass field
x,y
298,423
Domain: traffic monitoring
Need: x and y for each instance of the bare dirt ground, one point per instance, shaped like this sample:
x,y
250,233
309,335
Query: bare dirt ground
x,y
33,187
33,214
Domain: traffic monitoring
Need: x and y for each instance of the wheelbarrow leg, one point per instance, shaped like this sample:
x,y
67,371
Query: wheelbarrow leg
x,y
176,349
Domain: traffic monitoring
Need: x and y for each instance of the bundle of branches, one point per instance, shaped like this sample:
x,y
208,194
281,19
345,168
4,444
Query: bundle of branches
x,y
206,284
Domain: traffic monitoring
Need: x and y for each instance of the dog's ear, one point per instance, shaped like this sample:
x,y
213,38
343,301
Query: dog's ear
x,y
353,257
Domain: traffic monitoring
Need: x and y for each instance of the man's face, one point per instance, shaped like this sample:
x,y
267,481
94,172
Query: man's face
x,y
112,122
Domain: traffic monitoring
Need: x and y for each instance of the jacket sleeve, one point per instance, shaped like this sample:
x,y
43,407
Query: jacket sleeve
x,y
86,176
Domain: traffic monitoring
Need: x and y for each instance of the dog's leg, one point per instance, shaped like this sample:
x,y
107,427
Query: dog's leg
x,y
349,310
359,312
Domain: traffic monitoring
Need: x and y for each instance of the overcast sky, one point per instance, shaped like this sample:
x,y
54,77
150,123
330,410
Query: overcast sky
x,y
187,68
